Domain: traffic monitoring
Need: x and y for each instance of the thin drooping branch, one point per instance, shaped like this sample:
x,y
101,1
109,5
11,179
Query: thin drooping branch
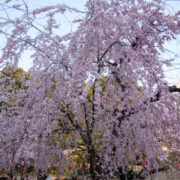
x,y
108,48
28,41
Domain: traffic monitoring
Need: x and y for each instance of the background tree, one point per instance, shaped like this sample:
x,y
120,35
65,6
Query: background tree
x,y
120,40
11,80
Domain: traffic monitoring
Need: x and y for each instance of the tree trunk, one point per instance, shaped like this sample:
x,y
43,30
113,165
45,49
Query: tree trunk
x,y
92,162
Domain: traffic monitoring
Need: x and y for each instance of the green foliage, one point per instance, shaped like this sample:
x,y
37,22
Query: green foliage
x,y
53,88
101,82
18,75
13,81
102,85
90,93
85,84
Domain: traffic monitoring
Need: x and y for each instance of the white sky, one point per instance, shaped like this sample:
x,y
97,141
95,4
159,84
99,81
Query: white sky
x,y
172,76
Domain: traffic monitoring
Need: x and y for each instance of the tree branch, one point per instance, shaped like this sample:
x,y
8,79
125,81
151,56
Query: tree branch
x,y
125,113
76,125
110,46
